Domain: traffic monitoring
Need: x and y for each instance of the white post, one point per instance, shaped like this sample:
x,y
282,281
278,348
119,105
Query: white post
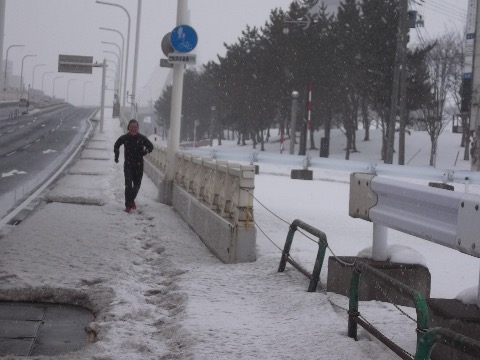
x,y
135,61
102,105
380,242
176,107
478,293
293,122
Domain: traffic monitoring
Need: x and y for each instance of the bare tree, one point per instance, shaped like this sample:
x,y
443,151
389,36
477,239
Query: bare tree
x,y
442,61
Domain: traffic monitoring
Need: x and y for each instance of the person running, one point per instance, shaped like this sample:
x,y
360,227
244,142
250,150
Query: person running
x,y
136,146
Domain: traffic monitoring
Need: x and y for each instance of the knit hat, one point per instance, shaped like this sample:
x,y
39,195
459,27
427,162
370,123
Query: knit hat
x,y
132,121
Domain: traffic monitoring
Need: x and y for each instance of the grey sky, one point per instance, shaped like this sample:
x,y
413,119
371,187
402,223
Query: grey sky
x,y
52,27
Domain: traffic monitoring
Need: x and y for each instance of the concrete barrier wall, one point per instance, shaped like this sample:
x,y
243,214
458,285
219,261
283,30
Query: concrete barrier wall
x,y
231,237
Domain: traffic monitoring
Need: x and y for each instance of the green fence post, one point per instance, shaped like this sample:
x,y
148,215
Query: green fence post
x,y
312,287
353,304
422,314
286,249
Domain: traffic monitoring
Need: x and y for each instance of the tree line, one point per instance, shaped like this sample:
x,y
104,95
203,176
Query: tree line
x,y
349,57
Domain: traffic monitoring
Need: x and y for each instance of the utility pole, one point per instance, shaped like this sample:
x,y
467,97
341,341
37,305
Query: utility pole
x,y
403,84
400,66
2,34
474,109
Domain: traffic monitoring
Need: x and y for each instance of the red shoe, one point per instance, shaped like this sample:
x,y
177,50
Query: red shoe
x,y
133,206
128,210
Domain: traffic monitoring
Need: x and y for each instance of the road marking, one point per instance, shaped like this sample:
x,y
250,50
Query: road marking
x,y
13,152
21,126
9,131
26,146
24,204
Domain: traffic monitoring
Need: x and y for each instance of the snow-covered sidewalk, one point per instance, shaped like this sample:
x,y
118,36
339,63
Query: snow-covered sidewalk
x,y
158,293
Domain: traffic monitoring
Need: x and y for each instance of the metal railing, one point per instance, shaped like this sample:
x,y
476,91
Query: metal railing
x,y
412,172
426,338
322,247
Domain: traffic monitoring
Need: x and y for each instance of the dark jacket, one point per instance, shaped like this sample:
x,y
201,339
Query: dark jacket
x,y
135,147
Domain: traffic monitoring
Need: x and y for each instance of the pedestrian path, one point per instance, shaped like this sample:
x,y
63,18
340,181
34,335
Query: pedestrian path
x,y
154,289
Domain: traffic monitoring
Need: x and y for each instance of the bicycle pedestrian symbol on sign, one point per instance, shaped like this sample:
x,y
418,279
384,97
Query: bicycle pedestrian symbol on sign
x,y
184,38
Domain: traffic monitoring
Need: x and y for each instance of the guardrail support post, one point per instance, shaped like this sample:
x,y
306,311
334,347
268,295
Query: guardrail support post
x,y
286,249
380,242
353,304
312,287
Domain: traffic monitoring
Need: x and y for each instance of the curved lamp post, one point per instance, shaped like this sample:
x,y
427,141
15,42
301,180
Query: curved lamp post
x,y
121,57
21,71
33,79
128,45
6,63
84,86
43,78
68,87
53,86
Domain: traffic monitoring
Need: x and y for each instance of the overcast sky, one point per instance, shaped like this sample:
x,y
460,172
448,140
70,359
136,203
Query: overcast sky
x,y
48,28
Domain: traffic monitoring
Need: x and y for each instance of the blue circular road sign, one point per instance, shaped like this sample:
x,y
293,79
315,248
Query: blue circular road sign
x,y
184,38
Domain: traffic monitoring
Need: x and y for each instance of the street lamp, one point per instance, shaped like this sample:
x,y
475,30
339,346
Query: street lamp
x,y
305,23
121,56
21,72
68,87
43,78
128,46
6,63
212,120
33,78
117,72
53,86
84,86
196,123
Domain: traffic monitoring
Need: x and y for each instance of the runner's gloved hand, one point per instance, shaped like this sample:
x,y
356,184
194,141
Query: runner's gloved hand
x,y
116,160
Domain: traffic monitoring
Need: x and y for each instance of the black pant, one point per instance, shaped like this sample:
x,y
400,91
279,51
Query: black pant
x,y
133,180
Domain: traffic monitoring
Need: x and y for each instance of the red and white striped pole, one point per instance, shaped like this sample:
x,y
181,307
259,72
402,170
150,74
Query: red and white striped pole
x,y
309,106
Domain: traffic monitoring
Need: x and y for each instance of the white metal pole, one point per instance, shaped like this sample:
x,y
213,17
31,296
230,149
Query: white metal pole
x,y
380,242
176,105
293,122
102,105
135,60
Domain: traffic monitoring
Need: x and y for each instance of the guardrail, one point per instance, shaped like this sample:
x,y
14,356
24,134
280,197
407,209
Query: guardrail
x,y
405,171
448,218
322,247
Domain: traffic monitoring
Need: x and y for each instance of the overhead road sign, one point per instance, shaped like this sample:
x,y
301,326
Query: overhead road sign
x,y
177,58
75,64
183,38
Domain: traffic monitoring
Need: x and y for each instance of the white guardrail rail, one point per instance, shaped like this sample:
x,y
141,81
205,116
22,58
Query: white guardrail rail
x,y
448,218
405,171
226,188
